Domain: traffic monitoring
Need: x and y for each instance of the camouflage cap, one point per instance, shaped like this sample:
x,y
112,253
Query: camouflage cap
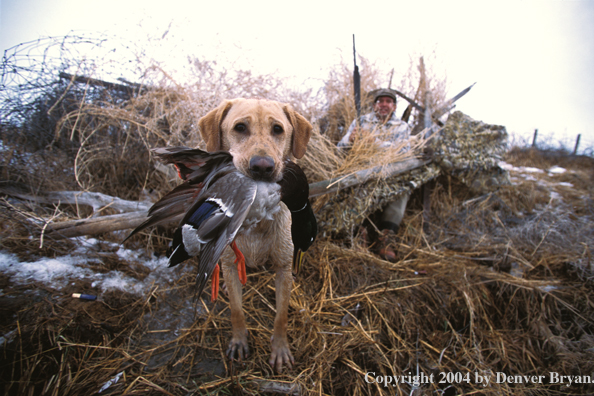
x,y
384,92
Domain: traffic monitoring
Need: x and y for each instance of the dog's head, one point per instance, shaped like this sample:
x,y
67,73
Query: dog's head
x,y
260,134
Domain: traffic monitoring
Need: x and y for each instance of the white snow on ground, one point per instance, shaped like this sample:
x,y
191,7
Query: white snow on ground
x,y
58,272
45,270
557,170
8,337
556,196
519,169
518,173
525,172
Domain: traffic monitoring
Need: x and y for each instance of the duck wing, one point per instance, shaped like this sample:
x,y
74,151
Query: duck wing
x,y
193,164
198,169
212,223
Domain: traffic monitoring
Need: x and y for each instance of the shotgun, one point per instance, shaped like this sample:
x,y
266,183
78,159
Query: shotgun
x,y
356,83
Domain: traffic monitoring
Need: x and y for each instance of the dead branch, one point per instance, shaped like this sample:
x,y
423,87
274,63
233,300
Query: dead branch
x,y
99,225
286,388
96,200
386,171
128,88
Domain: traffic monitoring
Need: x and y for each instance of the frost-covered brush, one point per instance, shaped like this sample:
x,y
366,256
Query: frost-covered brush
x,y
218,202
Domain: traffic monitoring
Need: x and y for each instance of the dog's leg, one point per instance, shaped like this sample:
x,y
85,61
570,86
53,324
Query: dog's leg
x,y
281,354
238,347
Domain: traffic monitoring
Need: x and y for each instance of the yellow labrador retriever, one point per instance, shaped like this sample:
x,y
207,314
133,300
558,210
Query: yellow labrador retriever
x,y
260,134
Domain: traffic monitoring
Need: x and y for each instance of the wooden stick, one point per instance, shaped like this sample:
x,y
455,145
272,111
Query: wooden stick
x,y
286,388
94,199
129,89
339,183
99,225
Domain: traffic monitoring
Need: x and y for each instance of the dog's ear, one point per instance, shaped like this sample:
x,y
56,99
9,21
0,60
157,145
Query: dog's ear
x,y
210,125
301,131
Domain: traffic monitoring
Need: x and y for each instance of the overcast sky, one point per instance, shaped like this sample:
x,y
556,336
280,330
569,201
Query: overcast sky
x,y
533,61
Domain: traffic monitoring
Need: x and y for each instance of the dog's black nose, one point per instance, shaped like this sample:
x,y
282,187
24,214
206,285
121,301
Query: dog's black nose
x,y
261,168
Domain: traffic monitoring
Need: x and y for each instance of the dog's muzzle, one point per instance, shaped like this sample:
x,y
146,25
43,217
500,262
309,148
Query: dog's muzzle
x,y
261,168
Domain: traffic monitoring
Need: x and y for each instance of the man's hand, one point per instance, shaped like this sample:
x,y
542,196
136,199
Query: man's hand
x,y
357,133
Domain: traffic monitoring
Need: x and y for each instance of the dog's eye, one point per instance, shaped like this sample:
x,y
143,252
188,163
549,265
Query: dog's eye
x,y
241,128
277,129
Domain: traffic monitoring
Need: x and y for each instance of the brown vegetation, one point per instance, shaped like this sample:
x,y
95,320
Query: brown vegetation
x,y
499,282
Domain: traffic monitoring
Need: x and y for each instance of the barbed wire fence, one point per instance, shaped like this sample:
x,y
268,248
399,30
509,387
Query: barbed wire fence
x,y
39,82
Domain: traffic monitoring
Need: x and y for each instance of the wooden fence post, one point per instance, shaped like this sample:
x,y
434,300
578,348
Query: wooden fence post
x,y
577,143
534,138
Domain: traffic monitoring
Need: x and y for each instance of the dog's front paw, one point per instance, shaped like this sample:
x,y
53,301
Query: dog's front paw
x,y
238,348
281,354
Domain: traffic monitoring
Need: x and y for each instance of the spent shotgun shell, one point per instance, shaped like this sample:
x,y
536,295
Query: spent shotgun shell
x,y
82,296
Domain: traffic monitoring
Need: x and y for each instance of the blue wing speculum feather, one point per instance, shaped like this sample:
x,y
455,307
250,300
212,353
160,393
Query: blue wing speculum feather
x,y
203,212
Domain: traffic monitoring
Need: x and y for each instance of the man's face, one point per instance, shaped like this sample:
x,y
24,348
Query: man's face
x,y
384,106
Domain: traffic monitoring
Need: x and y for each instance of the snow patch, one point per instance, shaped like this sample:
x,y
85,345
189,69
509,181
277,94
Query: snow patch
x,y
520,169
557,170
60,271
50,271
556,196
548,289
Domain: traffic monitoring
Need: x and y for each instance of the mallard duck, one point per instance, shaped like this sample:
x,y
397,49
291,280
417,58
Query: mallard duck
x,y
217,201
304,227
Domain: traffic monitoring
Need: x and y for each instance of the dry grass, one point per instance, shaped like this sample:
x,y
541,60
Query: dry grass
x,y
486,289
494,283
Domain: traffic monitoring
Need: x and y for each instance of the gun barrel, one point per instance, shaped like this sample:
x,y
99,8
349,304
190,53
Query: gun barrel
x,y
356,82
